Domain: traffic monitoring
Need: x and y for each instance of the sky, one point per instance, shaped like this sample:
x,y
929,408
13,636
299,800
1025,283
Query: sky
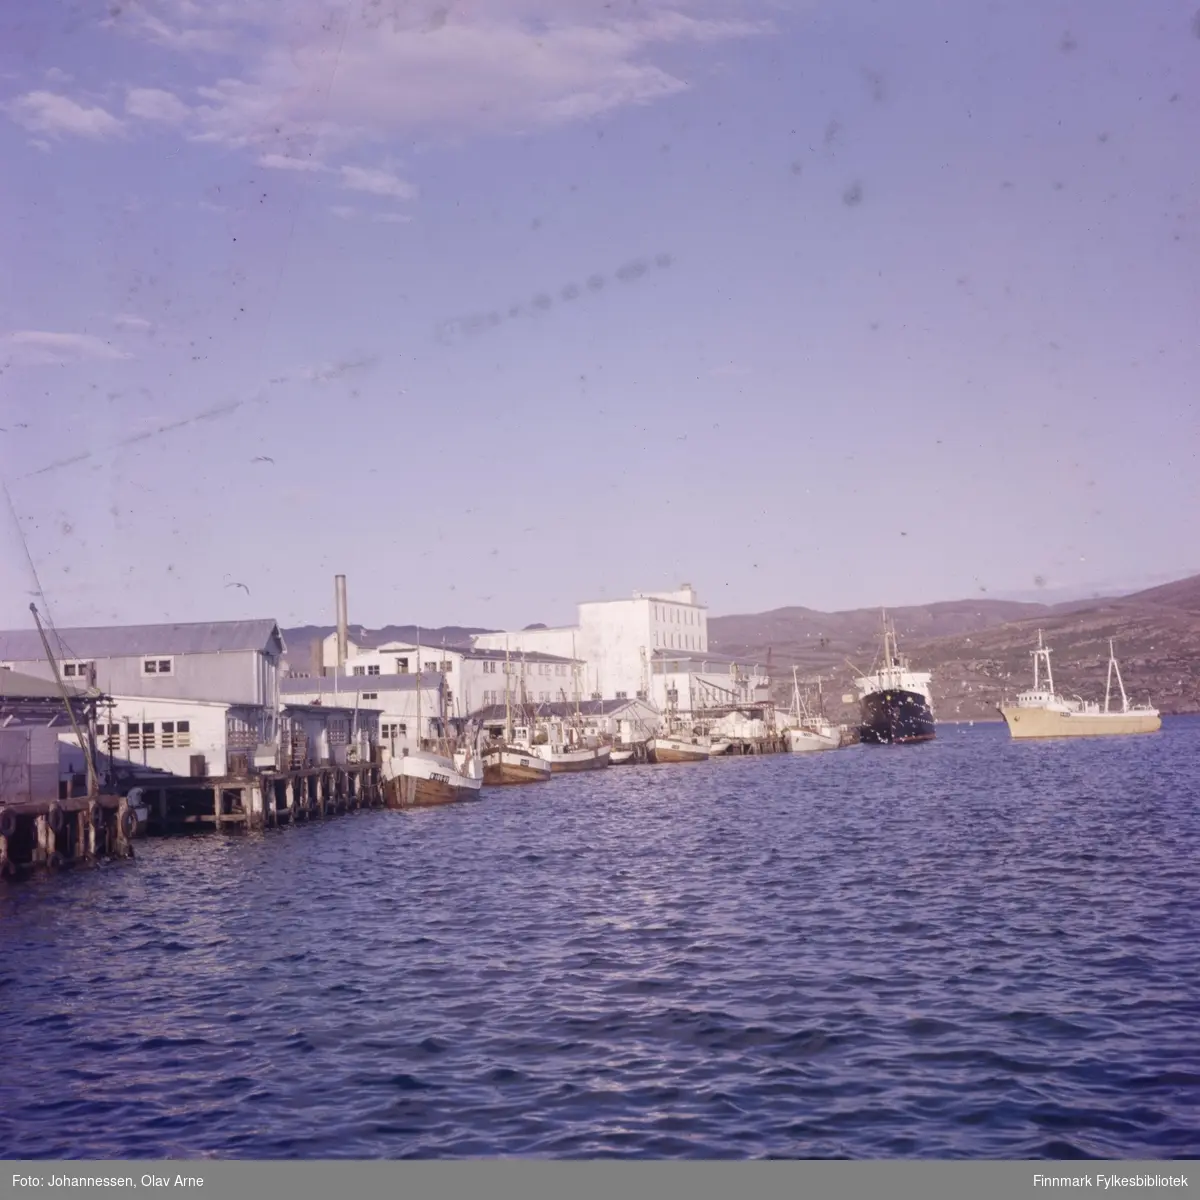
x,y
496,307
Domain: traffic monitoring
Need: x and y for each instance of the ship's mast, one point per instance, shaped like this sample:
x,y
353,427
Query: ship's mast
x,y
1114,666
507,694
1042,656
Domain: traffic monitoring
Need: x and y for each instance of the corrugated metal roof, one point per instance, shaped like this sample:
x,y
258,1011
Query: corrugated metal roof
x,y
14,685
327,685
120,641
587,708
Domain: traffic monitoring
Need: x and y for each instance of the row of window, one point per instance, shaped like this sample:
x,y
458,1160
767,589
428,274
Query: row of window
x,y
678,641
678,616
390,730
143,735
490,698
490,667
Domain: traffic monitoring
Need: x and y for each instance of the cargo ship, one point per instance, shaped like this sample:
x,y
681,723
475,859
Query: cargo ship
x,y
896,705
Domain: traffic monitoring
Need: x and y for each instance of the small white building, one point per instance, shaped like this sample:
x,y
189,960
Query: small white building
x,y
392,700
689,683
474,677
321,735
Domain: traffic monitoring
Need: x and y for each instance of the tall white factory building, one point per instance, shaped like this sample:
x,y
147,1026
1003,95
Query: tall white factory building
x,y
617,641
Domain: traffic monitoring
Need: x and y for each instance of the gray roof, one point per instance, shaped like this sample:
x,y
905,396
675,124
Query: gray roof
x,y
121,641
558,708
328,685
15,685
534,656
322,709
701,658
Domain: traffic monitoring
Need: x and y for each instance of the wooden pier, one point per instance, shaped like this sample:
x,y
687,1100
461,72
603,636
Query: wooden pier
x,y
762,745
261,801
54,834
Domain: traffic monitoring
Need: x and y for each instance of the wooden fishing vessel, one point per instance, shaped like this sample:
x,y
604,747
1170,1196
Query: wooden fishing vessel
x,y
512,760
679,748
422,779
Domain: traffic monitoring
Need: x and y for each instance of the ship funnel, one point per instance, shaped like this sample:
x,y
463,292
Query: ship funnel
x,y
343,633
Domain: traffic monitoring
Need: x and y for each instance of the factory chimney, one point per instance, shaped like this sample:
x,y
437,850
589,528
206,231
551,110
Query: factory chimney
x,y
343,632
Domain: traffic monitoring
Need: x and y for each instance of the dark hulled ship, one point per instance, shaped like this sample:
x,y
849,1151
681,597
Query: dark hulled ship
x,y
896,705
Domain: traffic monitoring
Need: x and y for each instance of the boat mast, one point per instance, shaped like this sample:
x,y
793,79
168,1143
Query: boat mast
x,y
507,694
85,746
418,648
1113,665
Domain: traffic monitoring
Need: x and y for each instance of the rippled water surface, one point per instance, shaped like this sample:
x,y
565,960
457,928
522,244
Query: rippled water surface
x,y
969,948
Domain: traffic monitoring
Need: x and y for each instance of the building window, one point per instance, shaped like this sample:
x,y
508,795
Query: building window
x,y
622,695
359,671
141,737
76,670
176,735
448,667
370,695
158,666
337,732
402,666
373,669
392,729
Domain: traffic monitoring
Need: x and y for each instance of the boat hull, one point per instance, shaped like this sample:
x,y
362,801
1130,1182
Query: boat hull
x,y
1026,723
668,750
618,758
805,741
502,767
719,748
895,718
408,791
579,760
427,781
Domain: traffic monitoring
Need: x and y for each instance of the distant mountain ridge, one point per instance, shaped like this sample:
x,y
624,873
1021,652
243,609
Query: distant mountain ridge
x,y
978,650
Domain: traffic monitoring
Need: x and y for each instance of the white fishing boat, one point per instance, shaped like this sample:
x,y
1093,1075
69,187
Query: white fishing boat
x,y
719,746
1040,712
620,755
442,773
805,732
679,747
423,778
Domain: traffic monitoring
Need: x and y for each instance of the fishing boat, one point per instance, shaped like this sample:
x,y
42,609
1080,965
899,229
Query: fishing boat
x,y
620,755
1040,712
897,703
679,747
512,760
437,771
805,732
719,746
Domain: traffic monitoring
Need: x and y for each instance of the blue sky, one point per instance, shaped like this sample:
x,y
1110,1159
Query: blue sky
x,y
527,302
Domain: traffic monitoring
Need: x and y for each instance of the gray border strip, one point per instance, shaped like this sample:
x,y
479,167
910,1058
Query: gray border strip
x,y
533,1180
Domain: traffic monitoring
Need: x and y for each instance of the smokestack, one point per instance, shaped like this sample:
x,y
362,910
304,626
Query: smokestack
x,y
343,632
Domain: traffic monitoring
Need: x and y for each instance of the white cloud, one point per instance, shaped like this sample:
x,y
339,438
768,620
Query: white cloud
x,y
52,114
284,162
328,80
30,347
153,104
57,75
377,182
129,321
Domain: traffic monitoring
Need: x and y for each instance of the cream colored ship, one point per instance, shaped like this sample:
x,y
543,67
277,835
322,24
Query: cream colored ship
x,y
1043,713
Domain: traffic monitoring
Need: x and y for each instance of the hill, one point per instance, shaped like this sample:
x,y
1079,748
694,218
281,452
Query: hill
x,y
979,650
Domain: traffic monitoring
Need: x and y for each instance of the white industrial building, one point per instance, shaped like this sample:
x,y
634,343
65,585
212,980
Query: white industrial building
x,y
652,646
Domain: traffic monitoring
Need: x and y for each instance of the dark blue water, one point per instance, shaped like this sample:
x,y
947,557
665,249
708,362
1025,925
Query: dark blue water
x,y
970,948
